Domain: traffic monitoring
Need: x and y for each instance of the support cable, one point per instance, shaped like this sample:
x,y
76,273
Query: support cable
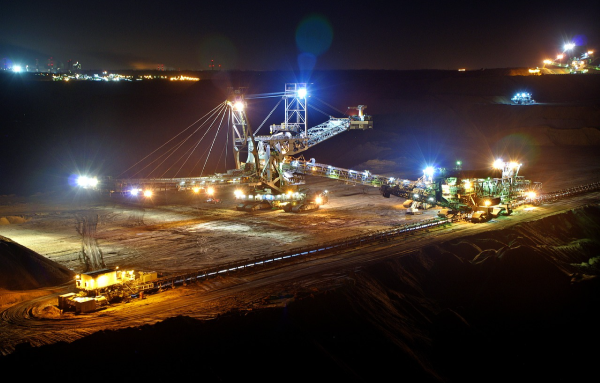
x,y
331,106
265,120
222,105
211,146
319,110
160,147
222,113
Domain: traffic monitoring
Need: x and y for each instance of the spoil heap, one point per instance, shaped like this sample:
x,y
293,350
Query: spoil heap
x,y
24,269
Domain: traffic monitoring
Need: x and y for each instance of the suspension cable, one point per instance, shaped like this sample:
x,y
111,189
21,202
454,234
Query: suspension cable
x,y
266,118
319,110
160,147
185,140
211,146
331,106
191,151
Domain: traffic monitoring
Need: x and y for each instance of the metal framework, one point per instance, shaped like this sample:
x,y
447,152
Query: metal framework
x,y
267,153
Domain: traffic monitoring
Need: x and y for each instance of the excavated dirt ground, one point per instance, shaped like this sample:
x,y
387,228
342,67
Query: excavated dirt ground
x,y
180,232
521,301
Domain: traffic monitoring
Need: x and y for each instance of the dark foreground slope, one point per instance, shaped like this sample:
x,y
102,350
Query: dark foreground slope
x,y
516,303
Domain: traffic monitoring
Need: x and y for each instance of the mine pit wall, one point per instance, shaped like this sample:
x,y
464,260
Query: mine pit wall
x,y
488,298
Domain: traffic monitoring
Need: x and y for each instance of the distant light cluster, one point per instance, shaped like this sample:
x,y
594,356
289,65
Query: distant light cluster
x,y
184,78
95,77
104,76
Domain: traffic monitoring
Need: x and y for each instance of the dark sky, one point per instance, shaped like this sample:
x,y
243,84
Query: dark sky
x,y
288,35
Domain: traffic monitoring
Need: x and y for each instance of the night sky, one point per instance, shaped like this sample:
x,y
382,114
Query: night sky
x,y
288,35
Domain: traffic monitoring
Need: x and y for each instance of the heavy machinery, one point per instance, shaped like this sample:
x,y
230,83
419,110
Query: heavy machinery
x,y
100,287
574,60
523,98
296,201
268,156
487,197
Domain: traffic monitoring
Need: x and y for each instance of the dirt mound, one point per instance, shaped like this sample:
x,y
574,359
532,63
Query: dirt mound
x,y
12,220
24,269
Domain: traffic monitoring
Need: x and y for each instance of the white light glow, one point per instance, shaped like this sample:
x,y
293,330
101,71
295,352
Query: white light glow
x,y
428,171
302,93
87,182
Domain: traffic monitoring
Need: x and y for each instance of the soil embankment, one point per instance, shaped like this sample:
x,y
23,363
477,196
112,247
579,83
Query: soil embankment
x,y
24,269
492,306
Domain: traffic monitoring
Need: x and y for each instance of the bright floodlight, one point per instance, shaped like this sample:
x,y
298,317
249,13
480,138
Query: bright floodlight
x,y
239,106
196,189
498,164
569,46
82,181
428,171
559,57
210,191
237,193
487,202
531,195
547,61
302,93
134,191
17,68
319,200
147,193
87,182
